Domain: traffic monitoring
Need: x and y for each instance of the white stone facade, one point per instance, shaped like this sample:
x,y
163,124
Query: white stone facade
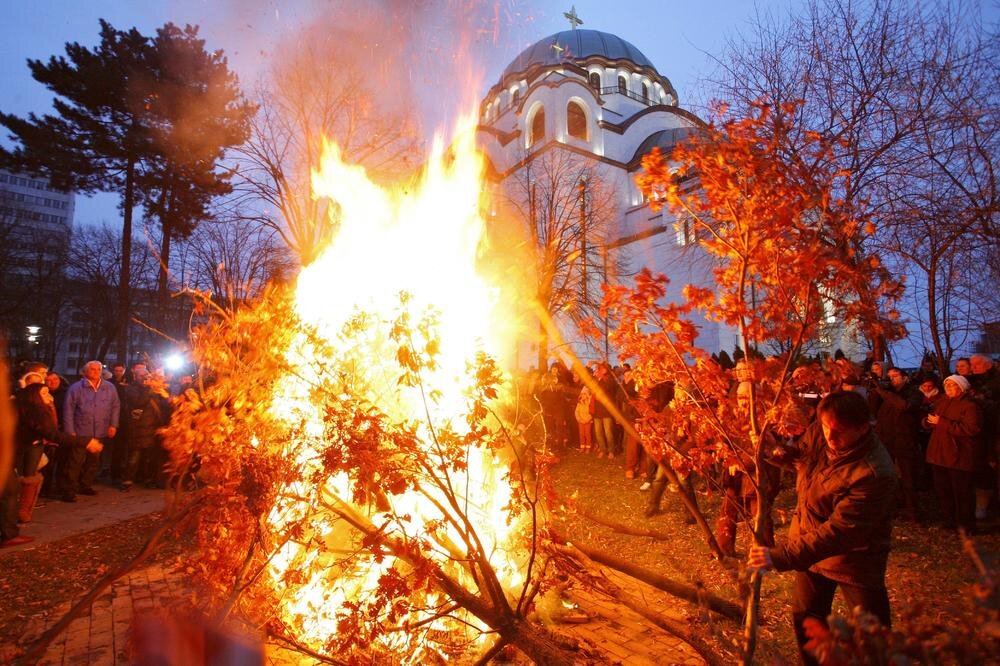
x,y
628,108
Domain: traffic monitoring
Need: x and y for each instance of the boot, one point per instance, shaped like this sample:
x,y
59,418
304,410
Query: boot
x,y
983,497
725,535
30,487
659,487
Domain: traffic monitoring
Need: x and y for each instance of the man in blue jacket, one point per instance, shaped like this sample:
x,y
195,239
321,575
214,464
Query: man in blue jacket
x,y
91,410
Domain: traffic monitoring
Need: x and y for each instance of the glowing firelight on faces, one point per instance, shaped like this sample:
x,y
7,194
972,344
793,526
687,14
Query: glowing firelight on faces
x,y
423,242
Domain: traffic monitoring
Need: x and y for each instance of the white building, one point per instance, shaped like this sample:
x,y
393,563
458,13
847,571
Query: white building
x,y
596,96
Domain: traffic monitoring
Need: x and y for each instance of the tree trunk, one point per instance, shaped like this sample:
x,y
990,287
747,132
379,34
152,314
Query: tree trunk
x,y
162,293
125,277
760,518
932,319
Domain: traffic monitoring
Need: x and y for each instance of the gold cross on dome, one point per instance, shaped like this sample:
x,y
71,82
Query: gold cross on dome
x,y
573,19
558,49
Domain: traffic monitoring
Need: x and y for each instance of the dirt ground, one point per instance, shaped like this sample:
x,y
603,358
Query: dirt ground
x,y
927,565
34,582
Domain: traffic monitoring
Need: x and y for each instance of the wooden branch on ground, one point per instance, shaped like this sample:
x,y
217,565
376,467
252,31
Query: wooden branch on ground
x,y
622,528
492,652
535,641
669,625
37,648
723,607
295,646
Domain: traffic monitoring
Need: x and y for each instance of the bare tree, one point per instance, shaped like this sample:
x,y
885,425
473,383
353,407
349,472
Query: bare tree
x,y
319,94
93,270
566,207
234,259
909,94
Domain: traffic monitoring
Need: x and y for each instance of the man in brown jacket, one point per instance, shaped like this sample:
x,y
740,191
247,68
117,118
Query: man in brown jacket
x,y
846,486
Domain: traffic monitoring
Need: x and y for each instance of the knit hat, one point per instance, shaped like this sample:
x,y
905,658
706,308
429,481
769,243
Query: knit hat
x,y
960,380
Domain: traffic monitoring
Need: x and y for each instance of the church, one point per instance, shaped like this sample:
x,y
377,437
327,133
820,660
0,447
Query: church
x,y
564,131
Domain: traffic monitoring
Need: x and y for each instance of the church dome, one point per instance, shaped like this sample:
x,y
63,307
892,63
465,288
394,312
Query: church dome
x,y
576,46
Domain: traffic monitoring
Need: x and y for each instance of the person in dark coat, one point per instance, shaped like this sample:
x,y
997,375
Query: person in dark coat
x,y
840,535
603,418
897,425
36,428
956,423
146,411
985,380
57,389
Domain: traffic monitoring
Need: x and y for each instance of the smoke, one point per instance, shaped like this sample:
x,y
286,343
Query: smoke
x,y
425,59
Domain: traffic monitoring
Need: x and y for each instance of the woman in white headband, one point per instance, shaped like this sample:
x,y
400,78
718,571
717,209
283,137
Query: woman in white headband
x,y
957,423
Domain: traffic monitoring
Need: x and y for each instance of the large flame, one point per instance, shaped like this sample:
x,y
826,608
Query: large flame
x,y
424,242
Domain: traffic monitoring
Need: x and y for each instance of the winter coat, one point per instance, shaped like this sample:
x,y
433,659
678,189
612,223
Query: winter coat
x,y
842,522
898,420
146,412
37,423
89,412
610,388
585,407
955,437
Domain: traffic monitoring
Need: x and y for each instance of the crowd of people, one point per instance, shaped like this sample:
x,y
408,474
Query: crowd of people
x,y
866,443
941,434
68,437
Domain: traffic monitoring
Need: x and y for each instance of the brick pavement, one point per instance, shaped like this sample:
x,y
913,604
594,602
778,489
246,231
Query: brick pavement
x,y
101,637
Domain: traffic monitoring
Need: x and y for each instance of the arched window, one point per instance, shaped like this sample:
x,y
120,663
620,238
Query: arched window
x,y
645,92
537,126
515,96
622,84
576,121
595,81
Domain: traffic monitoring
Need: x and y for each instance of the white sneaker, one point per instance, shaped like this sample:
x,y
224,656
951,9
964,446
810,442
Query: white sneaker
x,y
646,485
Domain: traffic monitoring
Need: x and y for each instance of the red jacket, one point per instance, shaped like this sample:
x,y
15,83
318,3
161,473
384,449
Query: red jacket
x,y
955,438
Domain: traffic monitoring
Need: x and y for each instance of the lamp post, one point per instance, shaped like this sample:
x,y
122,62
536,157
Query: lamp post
x,y
583,234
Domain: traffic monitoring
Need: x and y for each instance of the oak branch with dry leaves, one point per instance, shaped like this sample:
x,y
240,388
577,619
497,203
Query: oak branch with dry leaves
x,y
786,258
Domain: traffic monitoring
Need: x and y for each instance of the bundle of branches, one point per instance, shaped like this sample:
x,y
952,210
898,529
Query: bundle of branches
x,y
787,257
339,520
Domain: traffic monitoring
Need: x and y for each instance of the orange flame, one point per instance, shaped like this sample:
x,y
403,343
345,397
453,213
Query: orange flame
x,y
425,242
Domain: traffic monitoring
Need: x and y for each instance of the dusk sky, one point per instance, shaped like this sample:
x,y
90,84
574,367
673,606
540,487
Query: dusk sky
x,y
679,38
675,35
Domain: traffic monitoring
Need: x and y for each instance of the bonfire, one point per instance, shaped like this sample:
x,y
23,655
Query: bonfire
x,y
366,492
